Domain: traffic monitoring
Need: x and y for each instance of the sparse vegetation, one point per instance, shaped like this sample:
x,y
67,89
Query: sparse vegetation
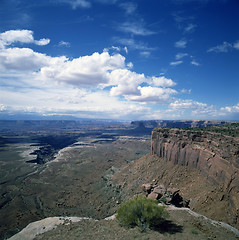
x,y
163,200
194,231
142,212
227,129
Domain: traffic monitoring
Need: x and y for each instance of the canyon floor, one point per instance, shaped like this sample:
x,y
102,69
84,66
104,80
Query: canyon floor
x,y
75,183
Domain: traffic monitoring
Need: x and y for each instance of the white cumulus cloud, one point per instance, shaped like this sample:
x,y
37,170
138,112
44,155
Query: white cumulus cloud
x,y
231,109
155,95
20,36
42,42
125,82
128,84
22,59
163,82
89,70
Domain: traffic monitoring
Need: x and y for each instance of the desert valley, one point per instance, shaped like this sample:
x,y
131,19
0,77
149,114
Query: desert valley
x,y
87,169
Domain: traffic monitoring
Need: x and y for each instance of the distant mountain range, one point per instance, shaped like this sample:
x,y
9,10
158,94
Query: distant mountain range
x,y
139,127
22,116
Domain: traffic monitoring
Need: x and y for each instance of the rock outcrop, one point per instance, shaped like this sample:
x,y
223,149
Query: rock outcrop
x,y
216,156
165,195
44,154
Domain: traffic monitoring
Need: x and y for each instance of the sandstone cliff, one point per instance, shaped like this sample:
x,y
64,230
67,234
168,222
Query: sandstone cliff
x,y
216,156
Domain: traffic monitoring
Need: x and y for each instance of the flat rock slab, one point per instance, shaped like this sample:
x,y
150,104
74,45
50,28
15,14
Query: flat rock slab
x,y
44,225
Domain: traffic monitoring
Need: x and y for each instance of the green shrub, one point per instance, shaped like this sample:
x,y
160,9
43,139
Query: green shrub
x,y
194,231
142,212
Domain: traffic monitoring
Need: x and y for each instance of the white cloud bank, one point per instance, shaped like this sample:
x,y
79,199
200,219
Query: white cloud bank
x,y
37,81
232,109
98,85
187,104
70,101
202,110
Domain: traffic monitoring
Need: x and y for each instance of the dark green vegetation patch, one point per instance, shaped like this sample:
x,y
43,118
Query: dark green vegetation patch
x,y
227,129
142,212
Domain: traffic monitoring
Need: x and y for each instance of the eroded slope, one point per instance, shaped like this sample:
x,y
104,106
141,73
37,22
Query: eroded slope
x,y
204,166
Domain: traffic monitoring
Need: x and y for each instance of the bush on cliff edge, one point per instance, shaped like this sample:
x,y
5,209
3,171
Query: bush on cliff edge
x,y
142,212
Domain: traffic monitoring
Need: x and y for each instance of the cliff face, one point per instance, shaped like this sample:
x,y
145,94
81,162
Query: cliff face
x,y
216,156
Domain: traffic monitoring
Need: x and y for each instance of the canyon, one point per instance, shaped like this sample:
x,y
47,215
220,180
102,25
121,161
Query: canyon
x,y
100,166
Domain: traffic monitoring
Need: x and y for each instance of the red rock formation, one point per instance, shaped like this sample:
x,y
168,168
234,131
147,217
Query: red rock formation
x,y
216,156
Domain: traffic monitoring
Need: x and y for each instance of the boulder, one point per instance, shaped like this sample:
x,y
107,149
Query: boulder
x,y
147,187
153,195
159,191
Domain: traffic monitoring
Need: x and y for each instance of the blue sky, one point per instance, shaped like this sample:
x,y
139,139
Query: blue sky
x,y
120,59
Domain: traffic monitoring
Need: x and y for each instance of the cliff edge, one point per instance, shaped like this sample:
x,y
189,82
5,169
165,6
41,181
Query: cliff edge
x,y
216,156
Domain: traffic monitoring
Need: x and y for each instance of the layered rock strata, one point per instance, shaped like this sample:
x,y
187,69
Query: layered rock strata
x,y
216,156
